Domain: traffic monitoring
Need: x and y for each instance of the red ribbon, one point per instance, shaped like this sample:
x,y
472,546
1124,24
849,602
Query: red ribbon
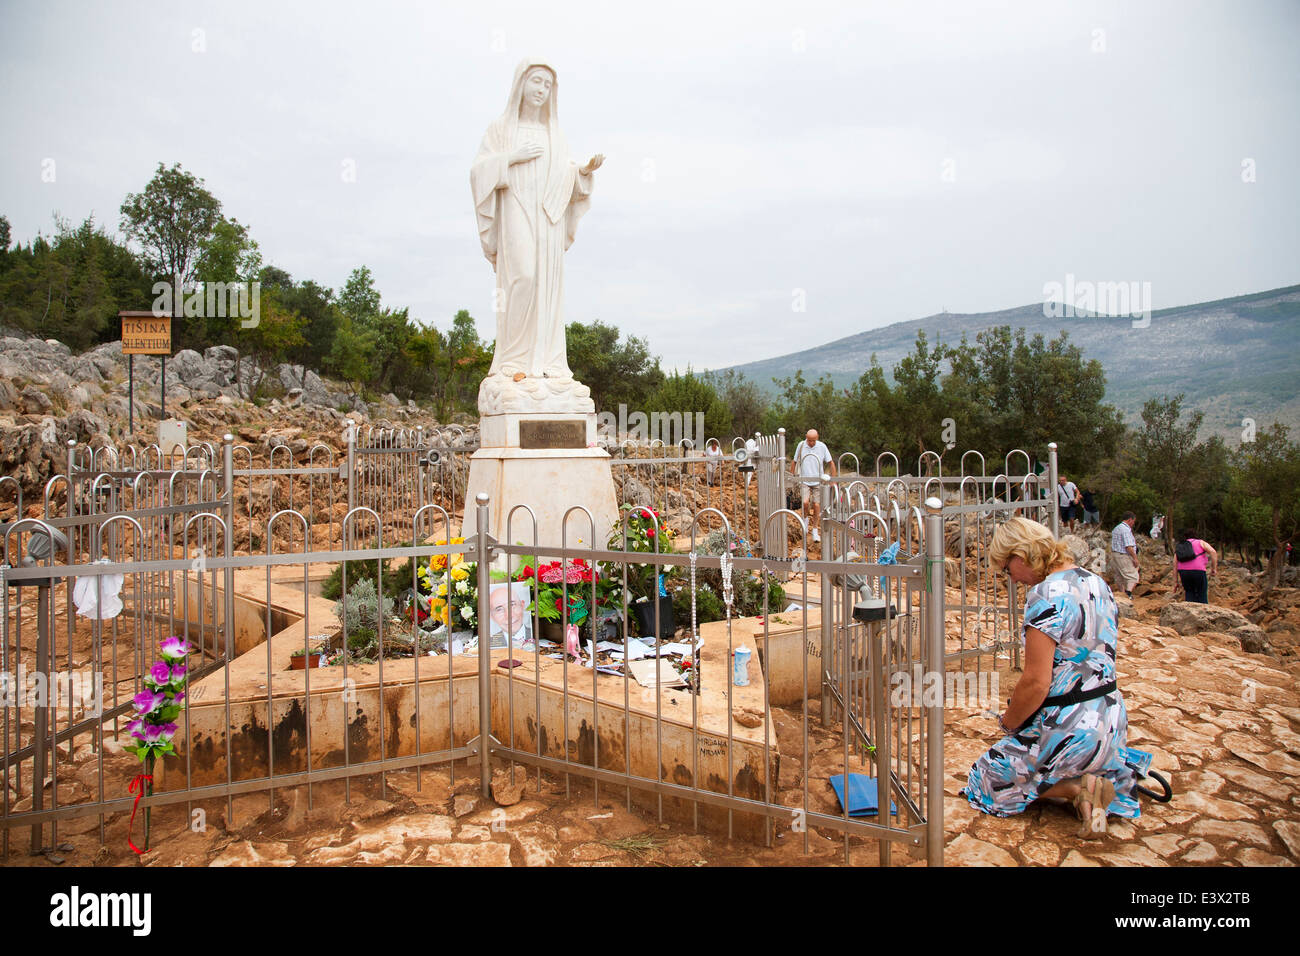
x,y
136,786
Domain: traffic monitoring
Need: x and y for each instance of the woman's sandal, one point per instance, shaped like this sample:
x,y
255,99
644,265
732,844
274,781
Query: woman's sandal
x,y
1095,795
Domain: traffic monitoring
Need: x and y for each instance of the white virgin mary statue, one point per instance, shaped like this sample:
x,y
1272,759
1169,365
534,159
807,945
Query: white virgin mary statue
x,y
528,197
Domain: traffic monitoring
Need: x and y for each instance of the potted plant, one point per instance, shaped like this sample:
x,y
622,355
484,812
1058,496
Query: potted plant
x,y
646,533
552,583
305,657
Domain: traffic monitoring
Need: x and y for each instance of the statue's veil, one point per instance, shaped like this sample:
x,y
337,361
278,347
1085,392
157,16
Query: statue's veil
x,y
559,177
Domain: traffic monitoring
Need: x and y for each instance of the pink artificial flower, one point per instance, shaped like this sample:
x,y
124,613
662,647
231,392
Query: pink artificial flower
x,y
174,648
147,701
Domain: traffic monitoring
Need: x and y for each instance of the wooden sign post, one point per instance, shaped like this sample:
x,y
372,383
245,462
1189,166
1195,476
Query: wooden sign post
x,y
144,333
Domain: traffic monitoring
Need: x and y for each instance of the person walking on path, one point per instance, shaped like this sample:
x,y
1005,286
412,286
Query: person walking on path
x,y
1124,554
1091,514
713,457
811,459
1195,560
1068,500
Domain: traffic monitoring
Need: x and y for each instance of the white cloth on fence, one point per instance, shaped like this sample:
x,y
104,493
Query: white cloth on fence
x,y
96,595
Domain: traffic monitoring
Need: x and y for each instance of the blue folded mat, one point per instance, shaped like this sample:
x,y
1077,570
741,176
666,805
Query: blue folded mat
x,y
864,800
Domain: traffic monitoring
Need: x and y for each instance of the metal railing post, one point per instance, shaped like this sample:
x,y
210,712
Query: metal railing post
x,y
1052,469
827,598
934,639
780,455
228,549
352,463
41,715
484,644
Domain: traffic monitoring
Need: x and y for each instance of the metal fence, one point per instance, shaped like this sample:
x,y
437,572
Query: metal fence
x,y
253,725
173,530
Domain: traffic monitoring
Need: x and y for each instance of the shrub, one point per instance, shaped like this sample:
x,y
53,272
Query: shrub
x,y
362,608
708,605
395,580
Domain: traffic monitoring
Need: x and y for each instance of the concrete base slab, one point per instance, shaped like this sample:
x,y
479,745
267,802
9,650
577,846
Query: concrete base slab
x,y
550,481
272,720
784,647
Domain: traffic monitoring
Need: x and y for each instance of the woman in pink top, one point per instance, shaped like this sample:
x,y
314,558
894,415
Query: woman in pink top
x,y
1193,572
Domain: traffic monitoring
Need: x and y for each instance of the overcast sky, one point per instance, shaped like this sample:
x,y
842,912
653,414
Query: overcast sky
x,y
888,159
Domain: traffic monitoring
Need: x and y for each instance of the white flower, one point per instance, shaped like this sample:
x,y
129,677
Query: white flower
x,y
462,587
467,612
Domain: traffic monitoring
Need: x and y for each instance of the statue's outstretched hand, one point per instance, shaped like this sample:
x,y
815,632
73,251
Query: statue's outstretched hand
x,y
593,164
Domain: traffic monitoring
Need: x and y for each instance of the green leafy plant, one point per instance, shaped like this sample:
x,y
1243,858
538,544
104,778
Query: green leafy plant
x,y
362,608
395,579
708,605
647,533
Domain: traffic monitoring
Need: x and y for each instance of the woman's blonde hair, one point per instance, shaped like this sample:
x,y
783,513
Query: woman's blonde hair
x,y
1032,542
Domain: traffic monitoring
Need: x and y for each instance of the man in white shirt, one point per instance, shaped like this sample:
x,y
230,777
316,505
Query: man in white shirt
x,y
1068,500
811,459
1124,555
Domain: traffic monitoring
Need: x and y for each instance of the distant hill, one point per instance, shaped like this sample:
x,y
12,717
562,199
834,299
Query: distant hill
x,y
1235,358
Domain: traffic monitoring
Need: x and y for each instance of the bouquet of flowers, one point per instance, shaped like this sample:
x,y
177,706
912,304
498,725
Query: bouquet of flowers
x,y
647,533
156,710
452,590
438,563
549,580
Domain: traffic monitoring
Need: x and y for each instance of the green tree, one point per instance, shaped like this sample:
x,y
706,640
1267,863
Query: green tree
x,y
172,219
1270,473
467,361
359,299
689,394
268,342
320,320
1168,457
616,372
743,398
228,254
916,403
800,406
71,287
352,355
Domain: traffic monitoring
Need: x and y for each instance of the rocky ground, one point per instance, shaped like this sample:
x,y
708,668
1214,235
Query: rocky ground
x,y
49,396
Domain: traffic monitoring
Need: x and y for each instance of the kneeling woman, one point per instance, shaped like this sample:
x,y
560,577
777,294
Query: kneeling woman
x,y
1065,724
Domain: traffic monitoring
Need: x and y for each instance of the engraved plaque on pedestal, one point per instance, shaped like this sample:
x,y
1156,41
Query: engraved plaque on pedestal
x,y
552,434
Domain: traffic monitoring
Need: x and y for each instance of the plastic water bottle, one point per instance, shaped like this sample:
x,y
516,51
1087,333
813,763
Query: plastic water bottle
x,y
740,669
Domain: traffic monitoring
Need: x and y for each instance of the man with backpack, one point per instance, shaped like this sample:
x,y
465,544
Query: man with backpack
x,y
1193,558
1091,513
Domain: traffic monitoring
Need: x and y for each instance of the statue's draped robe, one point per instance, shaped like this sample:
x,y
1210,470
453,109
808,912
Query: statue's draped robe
x,y
527,216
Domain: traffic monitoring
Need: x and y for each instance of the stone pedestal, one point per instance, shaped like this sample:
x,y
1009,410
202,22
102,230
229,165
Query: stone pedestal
x,y
549,462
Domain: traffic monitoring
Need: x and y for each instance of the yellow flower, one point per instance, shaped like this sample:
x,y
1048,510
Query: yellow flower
x,y
442,589
459,573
